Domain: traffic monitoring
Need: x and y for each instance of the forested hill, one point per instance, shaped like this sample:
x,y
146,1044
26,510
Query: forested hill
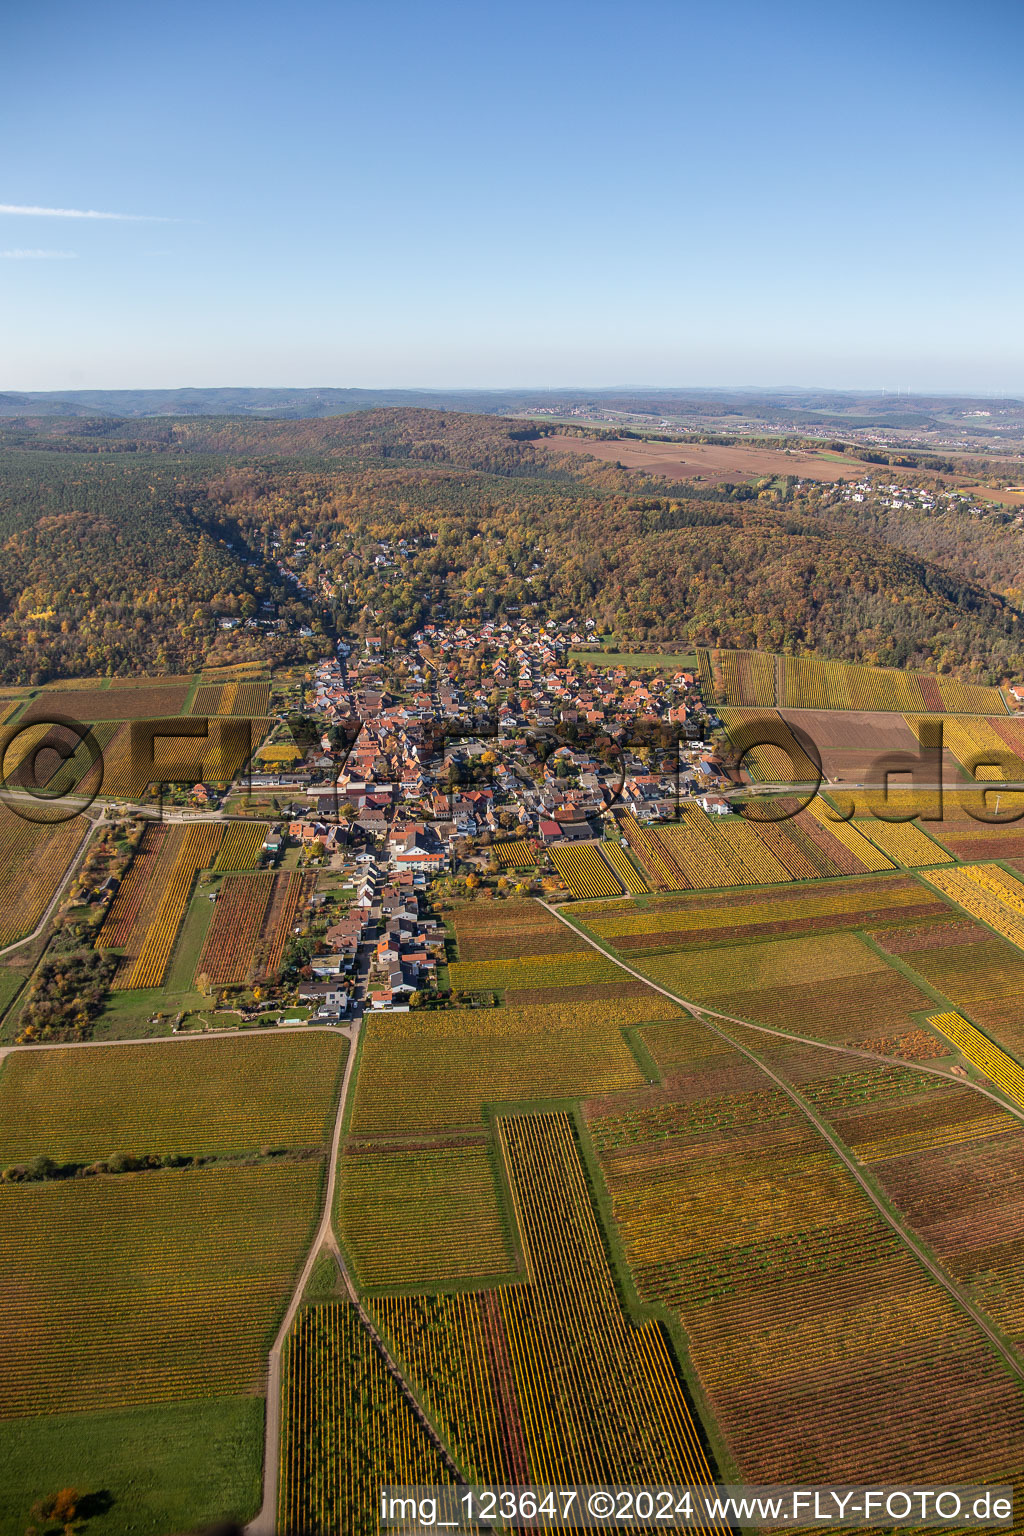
x,y
122,543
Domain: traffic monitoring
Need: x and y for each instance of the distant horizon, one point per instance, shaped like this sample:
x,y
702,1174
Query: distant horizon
x,y
961,392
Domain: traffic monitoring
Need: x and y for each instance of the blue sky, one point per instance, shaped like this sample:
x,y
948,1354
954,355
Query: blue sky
x,y
532,194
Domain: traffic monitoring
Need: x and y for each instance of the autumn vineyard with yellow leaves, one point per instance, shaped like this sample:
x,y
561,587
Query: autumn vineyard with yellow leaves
x,y
699,1163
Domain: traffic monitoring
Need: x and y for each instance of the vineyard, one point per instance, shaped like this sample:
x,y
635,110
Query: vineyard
x,y
252,919
347,1429
171,1288
241,1094
980,1051
760,680
694,918
812,682
830,987
868,856
491,1367
215,758
988,749
581,968
517,854
625,869
496,1055
422,1216
822,1346
904,843
778,759
508,930
986,892
33,861
151,702
584,871
703,852
242,845
147,914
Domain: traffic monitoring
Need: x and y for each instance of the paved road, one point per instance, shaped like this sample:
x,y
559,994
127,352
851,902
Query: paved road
x,y
906,1236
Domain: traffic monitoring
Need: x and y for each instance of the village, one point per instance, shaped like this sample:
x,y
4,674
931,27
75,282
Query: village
x,y
424,759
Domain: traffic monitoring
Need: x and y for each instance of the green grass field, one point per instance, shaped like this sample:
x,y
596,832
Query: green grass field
x,y
188,1096
657,660
147,1471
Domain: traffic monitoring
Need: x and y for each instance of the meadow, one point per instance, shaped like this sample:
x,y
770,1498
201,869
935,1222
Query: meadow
x,y
202,1460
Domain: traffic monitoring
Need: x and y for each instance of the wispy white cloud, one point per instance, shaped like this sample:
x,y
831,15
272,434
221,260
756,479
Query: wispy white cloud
x,y
39,255
29,210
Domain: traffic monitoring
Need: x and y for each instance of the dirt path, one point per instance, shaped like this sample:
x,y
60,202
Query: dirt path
x,y
58,894
325,1241
703,1016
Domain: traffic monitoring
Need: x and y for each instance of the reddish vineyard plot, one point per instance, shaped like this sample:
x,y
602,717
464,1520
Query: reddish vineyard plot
x,y
508,929
142,703
251,923
147,912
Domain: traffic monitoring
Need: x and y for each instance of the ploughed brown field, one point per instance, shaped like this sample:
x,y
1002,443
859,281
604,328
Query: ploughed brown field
x,y
707,461
856,745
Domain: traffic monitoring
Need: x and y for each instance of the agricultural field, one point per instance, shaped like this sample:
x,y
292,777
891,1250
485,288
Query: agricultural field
x,y
242,845
516,854
580,968
147,912
490,1055
770,748
987,749
145,702
628,873
986,892
999,1067
238,698
711,463
347,1429
703,852
151,1245
509,930
33,861
904,843
252,919
218,755
829,986
762,681
692,919
822,1347
490,1366
585,872
948,1159
421,1216
196,1097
